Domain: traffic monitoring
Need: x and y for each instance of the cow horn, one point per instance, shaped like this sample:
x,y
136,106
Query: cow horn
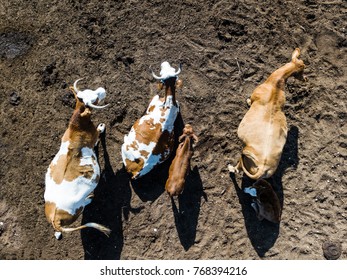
x,y
96,106
155,76
179,70
75,85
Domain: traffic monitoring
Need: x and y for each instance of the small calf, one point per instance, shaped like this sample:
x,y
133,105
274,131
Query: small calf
x,y
180,165
266,203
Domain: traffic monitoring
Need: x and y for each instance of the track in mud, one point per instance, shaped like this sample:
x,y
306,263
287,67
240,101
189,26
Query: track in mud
x,y
226,49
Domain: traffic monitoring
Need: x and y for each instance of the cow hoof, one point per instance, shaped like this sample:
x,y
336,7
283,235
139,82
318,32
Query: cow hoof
x,y
232,169
249,102
58,235
101,127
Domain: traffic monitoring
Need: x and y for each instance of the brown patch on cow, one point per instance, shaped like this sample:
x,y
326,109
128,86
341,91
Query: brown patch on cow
x,y
50,211
163,111
83,139
151,108
162,120
133,145
144,153
164,144
148,131
59,217
58,170
134,167
68,167
81,131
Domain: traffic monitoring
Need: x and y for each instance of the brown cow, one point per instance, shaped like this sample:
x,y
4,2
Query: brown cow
x,y
263,130
180,165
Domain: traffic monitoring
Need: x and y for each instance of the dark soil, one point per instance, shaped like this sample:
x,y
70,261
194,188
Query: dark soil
x,y
226,50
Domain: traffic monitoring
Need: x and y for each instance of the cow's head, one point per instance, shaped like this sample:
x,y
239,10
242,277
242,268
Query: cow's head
x,y
168,75
90,98
188,132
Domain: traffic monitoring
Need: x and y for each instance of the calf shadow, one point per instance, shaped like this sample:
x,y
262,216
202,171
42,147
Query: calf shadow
x,y
152,185
111,200
187,213
263,234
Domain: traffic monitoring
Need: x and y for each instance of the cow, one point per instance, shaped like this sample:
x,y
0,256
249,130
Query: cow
x,y
151,138
263,129
74,172
265,201
180,165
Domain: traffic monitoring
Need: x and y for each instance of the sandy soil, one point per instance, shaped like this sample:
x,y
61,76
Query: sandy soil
x,y
226,49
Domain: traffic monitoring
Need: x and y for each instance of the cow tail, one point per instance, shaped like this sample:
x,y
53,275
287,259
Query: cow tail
x,y
99,227
250,166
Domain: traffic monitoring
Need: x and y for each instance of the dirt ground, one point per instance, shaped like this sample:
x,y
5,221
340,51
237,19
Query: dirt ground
x,y
226,48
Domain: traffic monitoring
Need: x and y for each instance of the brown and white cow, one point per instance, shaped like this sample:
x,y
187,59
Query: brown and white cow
x,y
74,172
151,138
180,165
263,130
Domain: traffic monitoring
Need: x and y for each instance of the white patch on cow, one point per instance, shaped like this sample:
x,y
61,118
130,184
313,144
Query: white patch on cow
x,y
157,113
63,150
152,161
166,71
251,191
71,195
90,96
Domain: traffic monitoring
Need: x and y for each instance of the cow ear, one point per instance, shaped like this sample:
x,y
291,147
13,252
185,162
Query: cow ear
x,y
182,137
86,112
160,86
179,83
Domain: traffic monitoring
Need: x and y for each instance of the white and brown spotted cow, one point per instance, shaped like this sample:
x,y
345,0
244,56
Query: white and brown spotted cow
x,y
180,166
151,138
263,130
74,172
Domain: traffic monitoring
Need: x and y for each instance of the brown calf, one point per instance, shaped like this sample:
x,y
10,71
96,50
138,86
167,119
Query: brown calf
x,y
180,165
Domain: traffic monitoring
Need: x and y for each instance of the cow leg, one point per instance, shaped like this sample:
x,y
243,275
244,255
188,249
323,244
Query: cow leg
x,y
100,129
235,169
255,206
90,196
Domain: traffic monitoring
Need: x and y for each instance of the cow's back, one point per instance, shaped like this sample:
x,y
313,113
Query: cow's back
x,y
71,177
151,138
264,131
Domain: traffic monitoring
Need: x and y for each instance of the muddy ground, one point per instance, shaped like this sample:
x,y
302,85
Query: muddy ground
x,y
226,48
